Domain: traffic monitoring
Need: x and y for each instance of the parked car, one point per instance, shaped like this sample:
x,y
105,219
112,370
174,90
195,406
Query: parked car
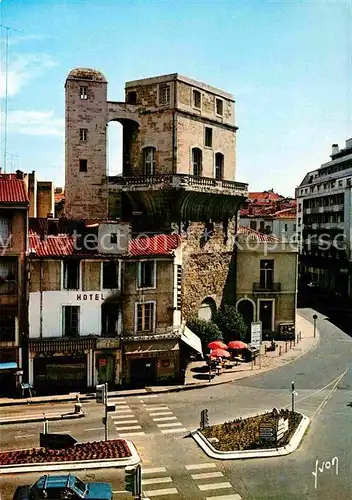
x,y
64,487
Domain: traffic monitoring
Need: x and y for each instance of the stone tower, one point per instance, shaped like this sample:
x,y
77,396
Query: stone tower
x,y
86,191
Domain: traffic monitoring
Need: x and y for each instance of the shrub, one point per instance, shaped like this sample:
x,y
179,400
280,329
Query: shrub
x,y
231,324
207,331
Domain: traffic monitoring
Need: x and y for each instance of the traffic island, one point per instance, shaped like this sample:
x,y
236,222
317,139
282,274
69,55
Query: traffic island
x,y
270,434
94,455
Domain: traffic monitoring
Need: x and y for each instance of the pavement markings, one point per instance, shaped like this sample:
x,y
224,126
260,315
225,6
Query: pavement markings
x,y
207,475
159,413
117,417
171,424
127,434
235,496
25,436
155,408
214,486
157,480
130,427
160,419
123,410
167,491
148,396
200,466
126,422
95,429
171,431
153,470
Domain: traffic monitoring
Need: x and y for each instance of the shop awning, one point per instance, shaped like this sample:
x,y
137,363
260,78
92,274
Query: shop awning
x,y
192,340
8,366
162,347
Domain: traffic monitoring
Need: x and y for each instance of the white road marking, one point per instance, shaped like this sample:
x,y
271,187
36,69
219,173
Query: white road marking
x,y
155,493
235,496
160,419
213,486
123,410
171,424
120,491
94,429
153,470
169,431
148,396
131,427
126,422
117,417
117,402
126,434
207,475
157,480
200,466
25,436
159,413
157,407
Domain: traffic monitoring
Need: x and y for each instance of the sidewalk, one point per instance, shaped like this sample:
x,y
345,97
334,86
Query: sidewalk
x,y
197,372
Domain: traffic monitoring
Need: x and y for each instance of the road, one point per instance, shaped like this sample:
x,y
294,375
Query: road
x,y
174,467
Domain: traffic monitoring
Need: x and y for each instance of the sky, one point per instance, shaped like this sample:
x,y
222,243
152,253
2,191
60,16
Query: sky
x,y
287,63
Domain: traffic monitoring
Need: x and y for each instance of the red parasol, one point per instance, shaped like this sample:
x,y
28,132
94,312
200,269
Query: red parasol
x,y
217,344
237,344
219,353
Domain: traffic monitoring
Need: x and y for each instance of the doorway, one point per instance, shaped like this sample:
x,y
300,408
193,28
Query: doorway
x,y
105,365
142,372
266,308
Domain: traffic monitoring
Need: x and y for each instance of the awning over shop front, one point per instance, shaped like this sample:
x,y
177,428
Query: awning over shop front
x,y
8,366
163,347
192,340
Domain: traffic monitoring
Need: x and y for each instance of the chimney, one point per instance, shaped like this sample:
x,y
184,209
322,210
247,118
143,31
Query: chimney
x,y
19,174
335,149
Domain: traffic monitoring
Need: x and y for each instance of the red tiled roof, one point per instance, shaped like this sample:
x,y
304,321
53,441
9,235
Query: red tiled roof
x,y
286,213
13,191
265,196
63,245
256,235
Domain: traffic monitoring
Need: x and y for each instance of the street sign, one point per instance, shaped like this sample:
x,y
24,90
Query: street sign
x,y
267,432
256,333
282,427
100,393
56,441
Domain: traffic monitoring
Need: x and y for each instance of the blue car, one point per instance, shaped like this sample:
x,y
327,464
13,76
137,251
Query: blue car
x,y
64,487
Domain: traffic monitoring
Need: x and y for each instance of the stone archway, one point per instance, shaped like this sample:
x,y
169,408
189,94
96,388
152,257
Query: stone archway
x,y
246,307
207,309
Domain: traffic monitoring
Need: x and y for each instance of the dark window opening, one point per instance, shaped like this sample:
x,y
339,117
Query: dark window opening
x,y
70,321
71,275
83,134
164,94
197,162
132,97
7,327
83,165
110,275
266,273
113,238
8,276
146,274
83,92
219,166
208,137
253,225
197,99
219,107
109,320
149,160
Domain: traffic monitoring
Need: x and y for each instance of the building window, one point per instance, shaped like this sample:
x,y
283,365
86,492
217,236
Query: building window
x,y
149,160
132,97
145,317
197,99
7,326
83,165
4,231
111,275
146,274
286,227
110,320
219,166
197,162
253,225
113,239
8,281
208,140
294,227
266,273
70,321
83,133
83,92
219,107
71,274
164,94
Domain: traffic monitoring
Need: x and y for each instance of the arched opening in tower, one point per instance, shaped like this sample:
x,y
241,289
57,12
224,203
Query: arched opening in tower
x,y
114,148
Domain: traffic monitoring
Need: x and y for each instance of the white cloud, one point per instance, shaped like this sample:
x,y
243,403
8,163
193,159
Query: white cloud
x,y
35,123
22,69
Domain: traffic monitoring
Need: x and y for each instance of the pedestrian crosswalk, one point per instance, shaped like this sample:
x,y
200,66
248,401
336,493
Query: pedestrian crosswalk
x,y
125,421
159,486
164,418
213,481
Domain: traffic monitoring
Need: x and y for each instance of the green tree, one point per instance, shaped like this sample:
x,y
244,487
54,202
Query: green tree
x,y
207,331
231,324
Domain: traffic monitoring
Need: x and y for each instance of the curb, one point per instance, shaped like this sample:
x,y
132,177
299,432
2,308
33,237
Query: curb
x,y
134,459
292,446
42,418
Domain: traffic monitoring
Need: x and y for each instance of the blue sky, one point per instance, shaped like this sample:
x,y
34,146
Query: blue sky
x,y
288,64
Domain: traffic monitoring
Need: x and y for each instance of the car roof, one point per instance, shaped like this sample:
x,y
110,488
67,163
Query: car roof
x,y
47,482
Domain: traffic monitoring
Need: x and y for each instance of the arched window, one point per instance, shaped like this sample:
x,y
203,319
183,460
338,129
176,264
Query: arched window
x,y
219,166
197,162
149,160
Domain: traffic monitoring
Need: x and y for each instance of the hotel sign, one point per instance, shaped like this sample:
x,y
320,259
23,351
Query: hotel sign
x,y
90,296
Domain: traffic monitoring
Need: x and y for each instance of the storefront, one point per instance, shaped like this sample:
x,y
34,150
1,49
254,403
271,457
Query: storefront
x,y
151,362
107,362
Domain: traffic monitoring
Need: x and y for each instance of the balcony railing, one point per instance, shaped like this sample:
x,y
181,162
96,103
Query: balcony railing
x,y
266,287
8,287
63,344
178,180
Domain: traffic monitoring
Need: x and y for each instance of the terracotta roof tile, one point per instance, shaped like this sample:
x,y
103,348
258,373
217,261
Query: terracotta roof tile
x,y
160,244
256,235
13,191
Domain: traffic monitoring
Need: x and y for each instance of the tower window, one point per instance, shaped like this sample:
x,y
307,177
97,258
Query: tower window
x,y
149,160
164,94
83,92
83,134
83,165
219,166
208,137
219,107
132,97
197,99
197,162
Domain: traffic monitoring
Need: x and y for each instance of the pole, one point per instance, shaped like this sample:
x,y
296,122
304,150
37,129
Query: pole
x,y
293,395
315,317
106,411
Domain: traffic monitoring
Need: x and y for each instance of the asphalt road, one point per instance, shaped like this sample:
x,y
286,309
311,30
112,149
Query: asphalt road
x,y
174,467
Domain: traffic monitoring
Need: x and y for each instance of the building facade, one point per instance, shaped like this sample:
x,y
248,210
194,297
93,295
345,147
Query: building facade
x,y
324,200
267,280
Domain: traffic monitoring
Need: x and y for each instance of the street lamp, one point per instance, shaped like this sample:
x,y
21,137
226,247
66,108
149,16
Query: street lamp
x,y
315,317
